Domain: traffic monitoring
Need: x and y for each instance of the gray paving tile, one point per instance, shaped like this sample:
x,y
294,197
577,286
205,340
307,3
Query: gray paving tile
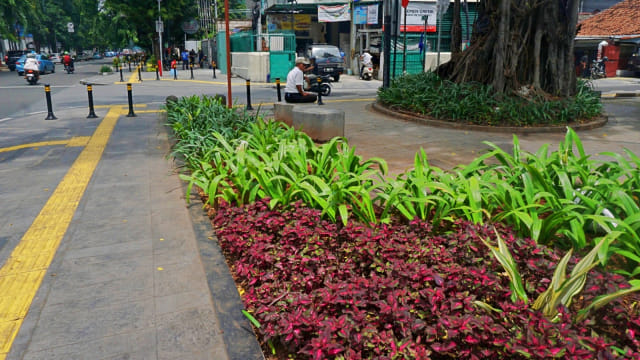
x,y
190,334
67,327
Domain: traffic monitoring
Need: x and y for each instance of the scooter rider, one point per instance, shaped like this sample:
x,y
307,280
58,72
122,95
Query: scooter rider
x,y
365,60
32,64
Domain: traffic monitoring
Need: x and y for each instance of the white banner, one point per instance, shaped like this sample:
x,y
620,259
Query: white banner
x,y
372,14
334,13
415,12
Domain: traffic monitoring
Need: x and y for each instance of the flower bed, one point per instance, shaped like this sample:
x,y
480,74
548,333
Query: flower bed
x,y
372,267
324,291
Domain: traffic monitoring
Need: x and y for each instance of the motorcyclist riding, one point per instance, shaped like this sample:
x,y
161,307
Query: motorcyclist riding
x,y
67,60
32,64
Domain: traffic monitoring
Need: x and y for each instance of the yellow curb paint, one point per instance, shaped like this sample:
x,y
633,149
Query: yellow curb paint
x,y
161,239
160,268
74,141
22,274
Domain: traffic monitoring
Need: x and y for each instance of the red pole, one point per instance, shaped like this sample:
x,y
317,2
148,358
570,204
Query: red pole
x,y
160,66
228,44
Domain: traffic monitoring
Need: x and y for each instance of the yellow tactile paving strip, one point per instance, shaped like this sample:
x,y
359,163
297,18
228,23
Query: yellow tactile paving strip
x,y
22,274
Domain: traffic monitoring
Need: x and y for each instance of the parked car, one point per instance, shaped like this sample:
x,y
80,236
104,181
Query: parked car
x,y
44,64
12,56
55,57
109,54
83,57
328,60
96,56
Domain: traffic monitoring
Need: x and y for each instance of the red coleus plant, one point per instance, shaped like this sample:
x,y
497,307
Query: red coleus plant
x,y
403,291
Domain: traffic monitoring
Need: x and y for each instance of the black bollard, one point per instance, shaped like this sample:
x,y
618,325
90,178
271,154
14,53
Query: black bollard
x,y
139,73
131,113
129,65
121,73
213,65
47,91
249,107
92,113
320,91
157,76
191,68
278,87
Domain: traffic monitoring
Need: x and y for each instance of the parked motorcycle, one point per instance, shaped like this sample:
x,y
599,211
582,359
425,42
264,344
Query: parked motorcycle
x,y
31,76
598,69
323,87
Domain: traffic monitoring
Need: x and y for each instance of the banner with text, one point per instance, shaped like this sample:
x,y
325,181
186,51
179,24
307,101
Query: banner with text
x,y
415,21
334,13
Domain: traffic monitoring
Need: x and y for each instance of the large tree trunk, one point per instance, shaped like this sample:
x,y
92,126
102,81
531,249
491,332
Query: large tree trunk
x,y
456,29
520,43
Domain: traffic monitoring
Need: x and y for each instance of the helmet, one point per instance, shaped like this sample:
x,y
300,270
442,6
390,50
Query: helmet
x,y
66,53
31,55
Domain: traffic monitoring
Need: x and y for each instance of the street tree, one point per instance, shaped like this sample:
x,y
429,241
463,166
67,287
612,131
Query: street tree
x,y
519,43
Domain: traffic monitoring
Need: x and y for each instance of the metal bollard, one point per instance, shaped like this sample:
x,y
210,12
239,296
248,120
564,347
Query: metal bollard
x,y
131,113
278,87
191,68
249,107
129,65
47,91
139,73
213,65
157,76
92,113
320,91
121,80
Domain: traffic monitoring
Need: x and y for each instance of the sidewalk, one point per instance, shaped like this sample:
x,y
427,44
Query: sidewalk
x,y
137,275
127,280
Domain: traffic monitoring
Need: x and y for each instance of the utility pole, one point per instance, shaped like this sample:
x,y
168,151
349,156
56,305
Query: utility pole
x,y
159,28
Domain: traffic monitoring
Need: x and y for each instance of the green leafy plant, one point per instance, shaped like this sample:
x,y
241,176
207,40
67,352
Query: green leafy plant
x,y
561,289
429,95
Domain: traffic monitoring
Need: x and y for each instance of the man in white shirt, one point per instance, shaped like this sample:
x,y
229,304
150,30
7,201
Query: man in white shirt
x,y
32,64
294,91
365,60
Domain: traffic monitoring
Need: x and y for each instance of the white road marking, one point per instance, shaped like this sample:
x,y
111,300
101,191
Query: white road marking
x,y
5,119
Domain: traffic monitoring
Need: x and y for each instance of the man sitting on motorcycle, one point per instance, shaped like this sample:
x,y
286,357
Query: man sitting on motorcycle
x,y
67,60
293,91
365,60
31,64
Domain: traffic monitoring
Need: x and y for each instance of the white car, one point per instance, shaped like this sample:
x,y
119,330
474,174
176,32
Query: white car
x,y
55,57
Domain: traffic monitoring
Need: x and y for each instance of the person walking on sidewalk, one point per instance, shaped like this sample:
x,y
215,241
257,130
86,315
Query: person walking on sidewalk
x,y
293,91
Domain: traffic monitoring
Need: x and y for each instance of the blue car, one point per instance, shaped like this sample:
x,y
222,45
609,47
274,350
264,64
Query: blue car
x,y
45,65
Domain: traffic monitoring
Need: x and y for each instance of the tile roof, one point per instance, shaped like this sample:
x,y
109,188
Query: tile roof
x,y
620,19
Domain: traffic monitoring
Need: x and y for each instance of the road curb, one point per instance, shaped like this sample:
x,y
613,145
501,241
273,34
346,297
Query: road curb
x,y
599,122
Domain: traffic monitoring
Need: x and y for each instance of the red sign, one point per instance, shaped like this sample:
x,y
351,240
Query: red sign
x,y
405,3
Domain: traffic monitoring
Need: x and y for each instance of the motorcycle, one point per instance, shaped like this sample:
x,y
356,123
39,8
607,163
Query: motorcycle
x,y
69,69
598,70
31,76
323,87
367,73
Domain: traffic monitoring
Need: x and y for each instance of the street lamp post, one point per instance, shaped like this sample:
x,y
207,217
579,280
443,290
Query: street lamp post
x,y
160,28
